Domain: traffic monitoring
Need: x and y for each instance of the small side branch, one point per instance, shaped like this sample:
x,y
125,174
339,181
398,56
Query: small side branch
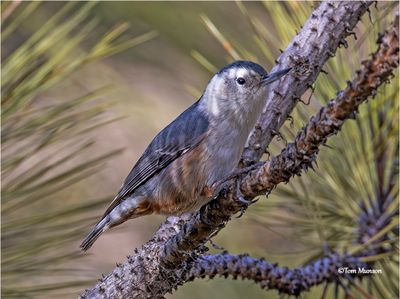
x,y
271,276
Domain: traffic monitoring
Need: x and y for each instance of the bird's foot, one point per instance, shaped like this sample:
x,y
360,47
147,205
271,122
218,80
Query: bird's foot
x,y
243,200
218,189
241,171
222,184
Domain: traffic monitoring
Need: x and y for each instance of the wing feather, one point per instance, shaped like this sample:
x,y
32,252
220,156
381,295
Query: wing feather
x,y
183,134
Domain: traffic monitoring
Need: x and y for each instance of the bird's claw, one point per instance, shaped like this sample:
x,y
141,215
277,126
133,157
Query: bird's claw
x,y
247,202
246,169
220,185
241,213
218,190
216,246
241,198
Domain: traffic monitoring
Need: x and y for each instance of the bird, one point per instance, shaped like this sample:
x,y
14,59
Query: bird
x,y
180,169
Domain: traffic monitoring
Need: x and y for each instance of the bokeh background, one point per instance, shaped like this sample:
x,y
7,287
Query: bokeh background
x,y
86,86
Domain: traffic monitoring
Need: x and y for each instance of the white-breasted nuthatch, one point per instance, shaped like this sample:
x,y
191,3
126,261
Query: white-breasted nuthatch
x,y
180,168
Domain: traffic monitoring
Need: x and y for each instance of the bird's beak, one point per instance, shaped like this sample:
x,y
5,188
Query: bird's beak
x,y
274,76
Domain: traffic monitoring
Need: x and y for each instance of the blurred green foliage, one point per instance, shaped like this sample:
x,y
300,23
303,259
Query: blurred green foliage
x,y
41,141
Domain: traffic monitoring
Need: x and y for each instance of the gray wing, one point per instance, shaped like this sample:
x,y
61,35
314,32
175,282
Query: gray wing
x,y
184,133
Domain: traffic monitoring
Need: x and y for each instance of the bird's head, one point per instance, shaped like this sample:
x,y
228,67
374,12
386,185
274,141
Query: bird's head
x,y
239,87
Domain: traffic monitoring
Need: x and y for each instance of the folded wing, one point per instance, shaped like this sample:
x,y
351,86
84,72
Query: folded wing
x,y
179,137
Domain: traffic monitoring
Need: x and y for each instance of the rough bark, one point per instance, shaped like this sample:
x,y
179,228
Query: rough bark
x,y
161,265
318,40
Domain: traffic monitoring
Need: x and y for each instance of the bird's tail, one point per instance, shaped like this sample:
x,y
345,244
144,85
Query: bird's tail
x,y
118,212
100,227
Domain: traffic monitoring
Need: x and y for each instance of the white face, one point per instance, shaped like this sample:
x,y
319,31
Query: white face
x,y
235,90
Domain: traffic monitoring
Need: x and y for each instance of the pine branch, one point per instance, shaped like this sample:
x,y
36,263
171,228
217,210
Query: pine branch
x,y
270,276
295,158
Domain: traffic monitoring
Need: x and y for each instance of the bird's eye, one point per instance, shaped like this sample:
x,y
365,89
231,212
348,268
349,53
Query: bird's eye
x,y
240,81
